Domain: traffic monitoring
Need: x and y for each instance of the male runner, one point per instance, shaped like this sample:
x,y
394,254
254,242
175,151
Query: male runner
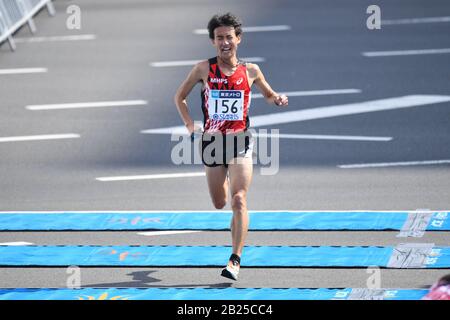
x,y
226,83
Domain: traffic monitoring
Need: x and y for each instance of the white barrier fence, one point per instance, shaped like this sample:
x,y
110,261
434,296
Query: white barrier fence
x,y
15,13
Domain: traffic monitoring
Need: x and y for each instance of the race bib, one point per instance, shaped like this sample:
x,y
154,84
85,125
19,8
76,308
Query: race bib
x,y
226,105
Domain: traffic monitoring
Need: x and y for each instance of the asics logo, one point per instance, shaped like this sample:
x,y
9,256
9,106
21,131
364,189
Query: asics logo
x,y
239,81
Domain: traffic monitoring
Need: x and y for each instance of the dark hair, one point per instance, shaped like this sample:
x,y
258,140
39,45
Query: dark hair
x,y
226,20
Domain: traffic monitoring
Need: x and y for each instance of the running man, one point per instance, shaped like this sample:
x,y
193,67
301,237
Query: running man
x,y
226,96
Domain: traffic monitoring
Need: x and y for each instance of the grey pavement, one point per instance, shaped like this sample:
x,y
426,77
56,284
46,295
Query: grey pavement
x,y
323,50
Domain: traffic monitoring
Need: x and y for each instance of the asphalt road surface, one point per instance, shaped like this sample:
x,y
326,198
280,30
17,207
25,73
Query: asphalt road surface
x,y
340,155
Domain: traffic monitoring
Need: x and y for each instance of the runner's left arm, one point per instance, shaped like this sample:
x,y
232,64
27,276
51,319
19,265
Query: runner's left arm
x,y
267,91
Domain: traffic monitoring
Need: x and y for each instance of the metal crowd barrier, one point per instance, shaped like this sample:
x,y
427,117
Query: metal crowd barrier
x,y
15,13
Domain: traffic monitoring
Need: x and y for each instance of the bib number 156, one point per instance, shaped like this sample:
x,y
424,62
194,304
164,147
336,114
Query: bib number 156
x,y
226,105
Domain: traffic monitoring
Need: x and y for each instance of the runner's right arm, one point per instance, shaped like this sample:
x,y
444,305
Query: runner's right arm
x,y
195,76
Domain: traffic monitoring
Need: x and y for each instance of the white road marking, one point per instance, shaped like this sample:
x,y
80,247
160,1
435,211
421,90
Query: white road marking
x,y
253,29
153,176
327,112
163,233
349,109
415,20
180,63
393,164
405,52
40,137
81,37
101,104
19,243
22,70
323,137
311,93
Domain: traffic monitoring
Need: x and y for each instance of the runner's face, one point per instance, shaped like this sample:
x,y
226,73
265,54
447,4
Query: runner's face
x,y
226,42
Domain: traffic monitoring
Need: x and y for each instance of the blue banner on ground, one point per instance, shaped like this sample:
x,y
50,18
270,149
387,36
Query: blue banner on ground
x,y
219,220
195,256
209,294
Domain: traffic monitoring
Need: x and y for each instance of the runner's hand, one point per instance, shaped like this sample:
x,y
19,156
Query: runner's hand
x,y
194,129
281,100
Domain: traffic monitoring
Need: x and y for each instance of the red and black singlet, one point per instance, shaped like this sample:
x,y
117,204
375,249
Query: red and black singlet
x,y
226,100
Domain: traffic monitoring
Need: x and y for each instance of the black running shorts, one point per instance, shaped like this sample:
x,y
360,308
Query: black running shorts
x,y
219,149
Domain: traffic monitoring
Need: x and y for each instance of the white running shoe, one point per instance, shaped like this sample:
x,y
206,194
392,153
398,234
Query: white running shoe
x,y
231,272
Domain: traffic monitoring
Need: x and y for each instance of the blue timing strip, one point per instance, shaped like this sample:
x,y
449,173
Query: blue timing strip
x,y
198,294
265,256
289,220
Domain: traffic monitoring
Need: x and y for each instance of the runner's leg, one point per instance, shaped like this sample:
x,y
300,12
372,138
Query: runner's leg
x,y
217,185
240,179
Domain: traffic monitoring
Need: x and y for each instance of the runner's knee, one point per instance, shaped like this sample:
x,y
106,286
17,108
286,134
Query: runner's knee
x,y
239,200
219,204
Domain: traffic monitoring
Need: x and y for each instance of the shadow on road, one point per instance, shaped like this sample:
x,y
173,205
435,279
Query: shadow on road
x,y
142,279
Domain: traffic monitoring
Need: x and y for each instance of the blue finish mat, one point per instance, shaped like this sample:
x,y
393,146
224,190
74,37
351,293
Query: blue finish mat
x,y
210,294
219,220
254,256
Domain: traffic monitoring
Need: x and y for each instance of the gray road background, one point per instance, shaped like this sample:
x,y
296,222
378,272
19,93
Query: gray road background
x,y
323,50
